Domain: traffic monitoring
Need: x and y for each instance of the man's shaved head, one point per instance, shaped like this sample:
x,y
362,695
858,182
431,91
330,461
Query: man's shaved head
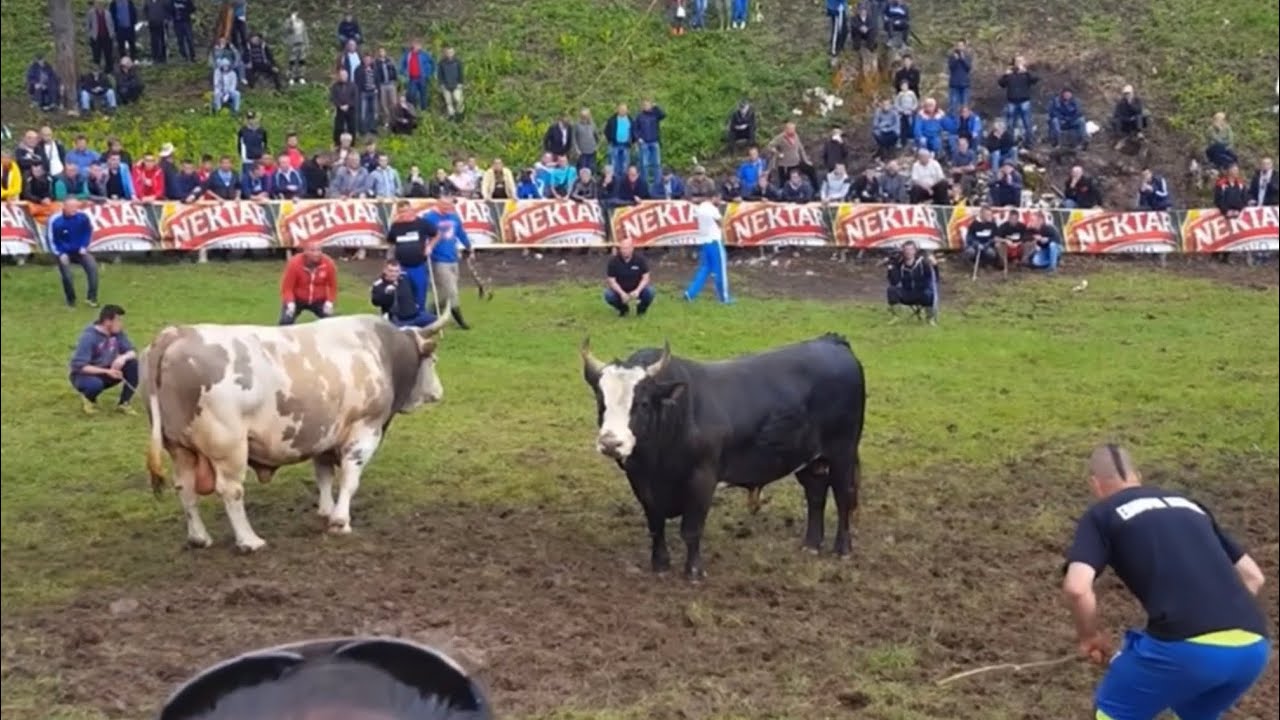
x,y
1111,468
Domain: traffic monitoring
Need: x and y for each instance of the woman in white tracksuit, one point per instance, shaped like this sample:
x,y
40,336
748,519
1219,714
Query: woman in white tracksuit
x,y
713,260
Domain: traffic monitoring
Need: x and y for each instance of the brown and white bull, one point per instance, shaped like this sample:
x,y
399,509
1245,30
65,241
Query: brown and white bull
x,y
226,398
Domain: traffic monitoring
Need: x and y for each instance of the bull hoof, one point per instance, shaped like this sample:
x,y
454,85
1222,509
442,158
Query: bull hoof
x,y
695,576
199,542
325,513
251,545
339,528
809,549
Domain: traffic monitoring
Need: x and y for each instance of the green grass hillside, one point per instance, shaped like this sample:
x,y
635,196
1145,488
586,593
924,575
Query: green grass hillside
x,y
528,61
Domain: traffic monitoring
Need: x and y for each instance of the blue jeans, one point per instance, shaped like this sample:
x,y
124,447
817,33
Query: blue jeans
x,y
418,275
233,99
1057,127
931,142
186,43
86,100
956,96
587,160
740,11
650,160
368,118
1020,111
615,301
712,261
1221,156
699,19
619,158
1196,680
86,261
91,386
422,319
417,93
1045,257
998,158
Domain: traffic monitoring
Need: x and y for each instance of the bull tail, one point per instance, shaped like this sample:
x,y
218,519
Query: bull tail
x,y
151,385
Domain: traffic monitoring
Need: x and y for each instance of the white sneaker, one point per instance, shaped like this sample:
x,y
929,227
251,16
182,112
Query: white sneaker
x,y
292,82
302,81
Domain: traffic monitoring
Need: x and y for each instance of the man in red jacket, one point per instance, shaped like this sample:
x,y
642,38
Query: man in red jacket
x,y
148,179
310,282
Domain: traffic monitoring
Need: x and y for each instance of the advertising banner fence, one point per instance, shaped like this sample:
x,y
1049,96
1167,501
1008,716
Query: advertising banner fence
x,y
126,227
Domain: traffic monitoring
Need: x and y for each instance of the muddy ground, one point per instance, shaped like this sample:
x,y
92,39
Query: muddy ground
x,y
556,608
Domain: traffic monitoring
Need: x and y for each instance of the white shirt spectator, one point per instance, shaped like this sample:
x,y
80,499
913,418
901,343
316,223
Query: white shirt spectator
x,y
926,174
708,217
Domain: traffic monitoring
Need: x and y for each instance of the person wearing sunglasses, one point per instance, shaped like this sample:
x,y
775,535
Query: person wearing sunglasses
x,y
332,679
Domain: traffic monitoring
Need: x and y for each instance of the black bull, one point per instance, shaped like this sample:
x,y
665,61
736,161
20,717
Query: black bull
x,y
745,422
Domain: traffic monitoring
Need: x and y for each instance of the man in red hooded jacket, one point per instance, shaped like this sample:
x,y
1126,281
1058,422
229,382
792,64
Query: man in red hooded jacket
x,y
148,179
310,282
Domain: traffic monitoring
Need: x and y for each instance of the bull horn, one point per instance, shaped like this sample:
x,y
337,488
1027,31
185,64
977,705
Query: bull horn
x,y
590,362
439,323
661,363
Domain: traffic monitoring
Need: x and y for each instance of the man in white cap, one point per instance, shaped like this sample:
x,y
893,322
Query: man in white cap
x,y
1129,120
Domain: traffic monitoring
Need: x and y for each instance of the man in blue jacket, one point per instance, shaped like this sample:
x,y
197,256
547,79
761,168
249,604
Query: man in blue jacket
x,y
1065,115
959,67
104,357
70,233
444,256
619,133
648,133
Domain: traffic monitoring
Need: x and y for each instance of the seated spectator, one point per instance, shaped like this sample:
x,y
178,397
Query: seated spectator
x,y
497,183
928,182
350,180
1066,116
752,168
608,183
527,189
866,187
37,189
223,183
929,126
835,188
286,183
369,158
1129,119
894,186
631,188
913,281
349,31
261,62
114,146
81,154
186,182
762,191
907,104
254,183
98,181
1044,245
71,184
119,181
223,51
405,118
1082,191
1153,193
128,82
668,187
962,123
562,176
1264,189
980,241
885,128
104,356
796,190
1001,147
11,184
1230,195
384,180
1221,148
415,184
700,186
731,188
627,279
584,187
897,25
43,85
148,179
315,175
1006,190
225,88
835,151
742,125
395,297
95,89
964,165
464,185
440,186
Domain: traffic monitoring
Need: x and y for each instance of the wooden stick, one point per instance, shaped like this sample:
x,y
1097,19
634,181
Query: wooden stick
x,y
1015,667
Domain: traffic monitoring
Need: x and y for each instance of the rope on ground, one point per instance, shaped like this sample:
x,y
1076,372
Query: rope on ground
x,y
1014,667
623,48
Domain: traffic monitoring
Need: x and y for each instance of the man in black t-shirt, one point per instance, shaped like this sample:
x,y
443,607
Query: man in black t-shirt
x,y
408,236
627,281
1205,643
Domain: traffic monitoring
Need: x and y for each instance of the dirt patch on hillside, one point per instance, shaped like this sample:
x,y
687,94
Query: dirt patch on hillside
x,y
556,609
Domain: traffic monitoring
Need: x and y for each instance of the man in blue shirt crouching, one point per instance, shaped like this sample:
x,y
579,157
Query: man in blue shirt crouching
x,y
105,357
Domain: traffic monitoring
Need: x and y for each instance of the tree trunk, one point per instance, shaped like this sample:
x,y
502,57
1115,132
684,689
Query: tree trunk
x,y
63,20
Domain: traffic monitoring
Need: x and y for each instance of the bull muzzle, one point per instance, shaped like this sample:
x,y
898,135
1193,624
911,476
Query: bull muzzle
x,y
610,445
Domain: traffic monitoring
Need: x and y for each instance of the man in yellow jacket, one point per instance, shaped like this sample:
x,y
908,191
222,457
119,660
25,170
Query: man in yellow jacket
x,y
11,184
497,183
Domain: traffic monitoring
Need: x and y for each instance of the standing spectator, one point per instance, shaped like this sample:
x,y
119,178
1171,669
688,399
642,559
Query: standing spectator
x,y
223,182
959,68
343,96
1065,115
631,188
908,73
240,24
742,125
763,190
928,182
648,132
836,12
619,133
668,187
752,168
70,233
309,282
367,119
712,259
866,187
101,31
95,89
1018,83
445,256
183,14
222,51
225,87
128,82
1001,146
315,176
885,126
731,189
835,188
1129,119
893,184
384,181
679,15
255,184
80,154
404,117
627,279
963,162
251,139
1153,194
1006,190
963,123
740,14
449,74
497,182
287,183
71,184
907,105
186,182
797,189
787,153
417,67
104,357
834,151
388,81
1264,189
1221,149
1081,192
10,178
585,141
350,180
1230,195
124,15
52,155
349,59
928,126
558,138
43,85
349,31
157,13
259,60
148,179
897,26
584,188
700,187
862,38
298,43
699,19
292,151
169,172
913,281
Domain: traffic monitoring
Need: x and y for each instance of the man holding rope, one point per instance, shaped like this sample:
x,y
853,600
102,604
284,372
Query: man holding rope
x,y
444,257
105,357
1205,643
409,236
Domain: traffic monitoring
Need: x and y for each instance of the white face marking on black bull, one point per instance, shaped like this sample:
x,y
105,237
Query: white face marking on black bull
x,y
617,387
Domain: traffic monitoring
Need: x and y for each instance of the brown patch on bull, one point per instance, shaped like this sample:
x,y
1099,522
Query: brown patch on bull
x,y
243,365
398,350
190,367
317,386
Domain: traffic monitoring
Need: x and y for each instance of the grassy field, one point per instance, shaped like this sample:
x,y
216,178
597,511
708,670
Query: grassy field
x,y
489,525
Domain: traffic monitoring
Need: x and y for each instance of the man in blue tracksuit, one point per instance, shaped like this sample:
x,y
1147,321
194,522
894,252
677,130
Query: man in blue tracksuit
x,y
444,256
1205,643
70,233
409,236
712,259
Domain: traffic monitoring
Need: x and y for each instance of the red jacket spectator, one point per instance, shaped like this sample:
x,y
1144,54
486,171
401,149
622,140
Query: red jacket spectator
x,y
148,182
309,282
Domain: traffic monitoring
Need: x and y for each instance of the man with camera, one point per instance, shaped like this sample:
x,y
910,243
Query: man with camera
x,y
913,281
